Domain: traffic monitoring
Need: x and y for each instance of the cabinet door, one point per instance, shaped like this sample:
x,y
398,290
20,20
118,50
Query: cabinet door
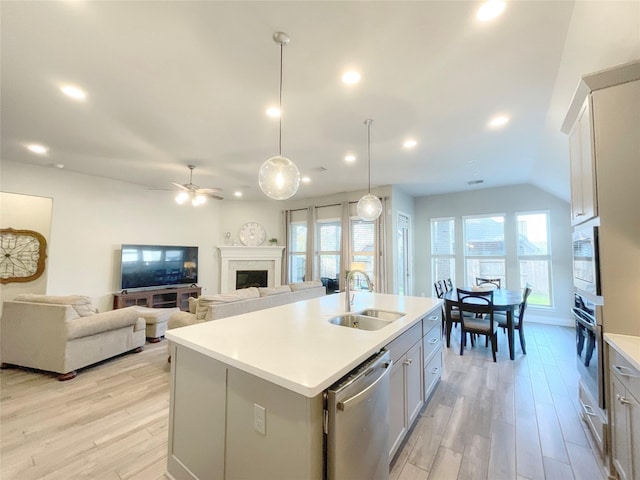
x,y
397,411
413,381
620,429
582,161
634,417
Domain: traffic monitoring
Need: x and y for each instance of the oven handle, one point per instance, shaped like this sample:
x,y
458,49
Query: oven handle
x,y
579,314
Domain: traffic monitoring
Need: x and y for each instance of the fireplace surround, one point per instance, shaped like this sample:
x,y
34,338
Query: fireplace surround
x,y
241,258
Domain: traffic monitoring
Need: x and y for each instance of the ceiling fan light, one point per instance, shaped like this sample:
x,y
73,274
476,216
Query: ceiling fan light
x,y
198,200
182,197
369,207
279,178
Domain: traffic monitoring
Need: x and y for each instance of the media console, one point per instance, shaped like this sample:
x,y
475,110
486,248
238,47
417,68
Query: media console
x,y
156,298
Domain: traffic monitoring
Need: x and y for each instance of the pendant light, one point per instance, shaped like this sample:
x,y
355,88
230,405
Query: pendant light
x,y
279,178
369,207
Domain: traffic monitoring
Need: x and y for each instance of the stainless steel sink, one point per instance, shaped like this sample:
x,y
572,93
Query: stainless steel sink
x,y
361,322
381,314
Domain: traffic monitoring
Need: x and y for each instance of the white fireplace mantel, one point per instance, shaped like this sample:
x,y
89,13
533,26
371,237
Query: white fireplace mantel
x,y
234,258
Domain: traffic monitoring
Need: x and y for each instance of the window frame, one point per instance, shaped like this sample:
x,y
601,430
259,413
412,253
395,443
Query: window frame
x,y
470,279
546,257
450,256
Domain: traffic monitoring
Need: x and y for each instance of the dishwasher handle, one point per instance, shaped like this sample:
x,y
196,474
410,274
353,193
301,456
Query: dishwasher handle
x,y
358,397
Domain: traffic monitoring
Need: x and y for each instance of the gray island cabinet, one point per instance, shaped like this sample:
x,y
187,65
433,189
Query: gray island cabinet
x,y
247,391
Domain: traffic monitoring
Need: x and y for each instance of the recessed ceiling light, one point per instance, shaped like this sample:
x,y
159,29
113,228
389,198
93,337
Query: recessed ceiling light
x,y
305,179
73,92
237,193
273,112
490,10
351,77
499,121
350,158
37,148
409,143
59,165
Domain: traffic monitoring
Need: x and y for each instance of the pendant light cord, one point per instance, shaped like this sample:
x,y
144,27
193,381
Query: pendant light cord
x,y
280,133
369,122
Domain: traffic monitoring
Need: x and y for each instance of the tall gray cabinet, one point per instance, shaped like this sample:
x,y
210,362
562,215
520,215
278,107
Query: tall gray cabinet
x,y
603,124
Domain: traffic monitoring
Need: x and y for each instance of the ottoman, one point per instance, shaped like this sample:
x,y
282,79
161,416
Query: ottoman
x,y
156,320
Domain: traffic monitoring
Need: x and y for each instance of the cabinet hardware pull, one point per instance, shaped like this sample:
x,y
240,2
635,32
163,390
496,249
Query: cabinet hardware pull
x,y
622,400
624,371
588,410
433,317
433,340
435,370
407,361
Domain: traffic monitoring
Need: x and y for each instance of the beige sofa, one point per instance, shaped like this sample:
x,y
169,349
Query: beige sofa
x,y
64,333
214,307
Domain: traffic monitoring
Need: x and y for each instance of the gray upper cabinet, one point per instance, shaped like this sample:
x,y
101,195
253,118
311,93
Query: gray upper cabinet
x,y
584,205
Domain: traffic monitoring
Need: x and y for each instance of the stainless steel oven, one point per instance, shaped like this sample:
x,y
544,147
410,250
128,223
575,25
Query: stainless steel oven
x,y
586,262
589,341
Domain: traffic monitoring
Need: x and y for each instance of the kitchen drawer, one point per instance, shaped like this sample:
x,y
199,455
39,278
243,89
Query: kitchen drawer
x,y
431,320
592,414
625,372
432,373
404,342
431,342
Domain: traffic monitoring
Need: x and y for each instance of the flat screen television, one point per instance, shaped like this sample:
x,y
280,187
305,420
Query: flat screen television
x,y
158,265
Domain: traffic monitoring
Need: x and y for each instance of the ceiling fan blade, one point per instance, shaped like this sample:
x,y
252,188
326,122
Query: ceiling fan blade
x,y
207,191
214,195
180,186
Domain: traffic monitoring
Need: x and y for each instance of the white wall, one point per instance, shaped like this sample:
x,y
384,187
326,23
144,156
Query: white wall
x,y
26,212
92,217
507,200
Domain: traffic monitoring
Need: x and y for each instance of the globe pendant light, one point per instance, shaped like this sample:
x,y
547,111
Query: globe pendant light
x,y
279,178
369,207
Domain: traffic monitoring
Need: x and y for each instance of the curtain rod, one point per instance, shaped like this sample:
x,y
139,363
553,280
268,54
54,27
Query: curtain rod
x,y
323,206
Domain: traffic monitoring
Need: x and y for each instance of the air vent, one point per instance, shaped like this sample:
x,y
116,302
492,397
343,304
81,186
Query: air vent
x,y
475,182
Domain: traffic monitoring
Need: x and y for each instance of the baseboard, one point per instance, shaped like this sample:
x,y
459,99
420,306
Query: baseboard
x,y
562,322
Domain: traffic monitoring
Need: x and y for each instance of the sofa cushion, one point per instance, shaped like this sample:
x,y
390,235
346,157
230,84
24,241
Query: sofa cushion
x,y
267,291
295,287
80,303
193,304
250,292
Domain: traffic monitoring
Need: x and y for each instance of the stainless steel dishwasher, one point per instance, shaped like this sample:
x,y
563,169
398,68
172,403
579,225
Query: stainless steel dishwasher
x,y
357,422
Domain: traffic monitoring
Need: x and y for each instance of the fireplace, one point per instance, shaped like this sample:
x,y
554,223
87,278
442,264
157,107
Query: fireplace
x,y
238,258
251,278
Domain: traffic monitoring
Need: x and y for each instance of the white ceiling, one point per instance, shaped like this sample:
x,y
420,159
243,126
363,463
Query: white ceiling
x,y
174,83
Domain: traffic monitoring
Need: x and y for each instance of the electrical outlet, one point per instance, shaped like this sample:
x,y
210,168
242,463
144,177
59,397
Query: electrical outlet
x,y
259,419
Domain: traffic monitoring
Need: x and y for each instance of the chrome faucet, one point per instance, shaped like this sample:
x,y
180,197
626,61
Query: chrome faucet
x,y
350,275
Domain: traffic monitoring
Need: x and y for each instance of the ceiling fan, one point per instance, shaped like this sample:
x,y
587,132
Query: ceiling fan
x,y
197,195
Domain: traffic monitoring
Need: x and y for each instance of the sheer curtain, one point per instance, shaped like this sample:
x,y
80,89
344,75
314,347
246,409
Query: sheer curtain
x,y
287,238
345,245
381,257
311,269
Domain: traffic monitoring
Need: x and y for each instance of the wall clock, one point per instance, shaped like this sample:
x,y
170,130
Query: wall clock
x,y
252,234
22,255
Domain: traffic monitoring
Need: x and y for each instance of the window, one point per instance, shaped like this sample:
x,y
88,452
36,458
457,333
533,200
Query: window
x,y
534,256
329,235
443,249
363,250
484,249
297,251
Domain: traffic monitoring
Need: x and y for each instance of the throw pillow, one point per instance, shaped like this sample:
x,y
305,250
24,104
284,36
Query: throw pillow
x,y
80,303
193,304
305,285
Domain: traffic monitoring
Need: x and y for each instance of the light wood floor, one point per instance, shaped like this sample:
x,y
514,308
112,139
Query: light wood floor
x,y
509,420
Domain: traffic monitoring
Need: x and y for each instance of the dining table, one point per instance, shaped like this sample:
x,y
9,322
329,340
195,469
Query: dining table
x,y
503,301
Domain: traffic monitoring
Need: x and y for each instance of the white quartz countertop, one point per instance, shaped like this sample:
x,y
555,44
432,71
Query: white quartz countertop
x,y
626,345
294,346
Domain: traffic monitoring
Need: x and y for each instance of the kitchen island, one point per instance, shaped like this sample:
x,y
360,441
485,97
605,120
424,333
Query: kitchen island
x,y
247,391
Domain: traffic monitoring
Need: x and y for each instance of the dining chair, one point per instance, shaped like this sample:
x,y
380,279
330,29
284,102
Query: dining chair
x,y
518,318
449,284
480,321
443,285
484,282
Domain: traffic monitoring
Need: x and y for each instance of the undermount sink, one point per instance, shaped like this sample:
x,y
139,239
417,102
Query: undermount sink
x,y
361,322
382,314
369,319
